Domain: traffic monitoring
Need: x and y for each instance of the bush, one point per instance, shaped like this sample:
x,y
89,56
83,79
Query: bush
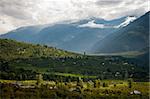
x,y
105,84
130,81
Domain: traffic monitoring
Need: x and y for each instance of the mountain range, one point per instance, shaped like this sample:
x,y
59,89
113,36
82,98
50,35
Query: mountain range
x,y
77,36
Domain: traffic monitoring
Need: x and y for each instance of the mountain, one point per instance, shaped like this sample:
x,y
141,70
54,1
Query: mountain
x,y
131,38
77,36
127,21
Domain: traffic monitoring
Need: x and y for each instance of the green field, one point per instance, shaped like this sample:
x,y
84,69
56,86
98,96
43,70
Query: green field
x,y
114,89
75,75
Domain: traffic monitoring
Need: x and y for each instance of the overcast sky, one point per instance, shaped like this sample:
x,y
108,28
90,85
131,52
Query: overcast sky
x,y
17,13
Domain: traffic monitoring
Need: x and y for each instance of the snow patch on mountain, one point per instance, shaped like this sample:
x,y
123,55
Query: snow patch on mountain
x,y
92,24
127,21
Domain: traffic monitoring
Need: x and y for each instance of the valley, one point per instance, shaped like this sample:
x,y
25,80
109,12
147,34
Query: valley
x,y
88,59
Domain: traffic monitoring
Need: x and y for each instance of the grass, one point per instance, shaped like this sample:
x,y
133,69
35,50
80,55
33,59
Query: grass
x,y
121,86
44,71
34,68
25,82
75,75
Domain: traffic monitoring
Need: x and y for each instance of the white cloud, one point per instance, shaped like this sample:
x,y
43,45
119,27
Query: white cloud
x,y
16,13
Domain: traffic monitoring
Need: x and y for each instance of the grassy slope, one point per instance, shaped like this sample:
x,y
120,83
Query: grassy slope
x,y
10,49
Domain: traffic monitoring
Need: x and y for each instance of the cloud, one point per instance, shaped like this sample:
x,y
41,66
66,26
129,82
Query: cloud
x,y
14,9
17,13
108,2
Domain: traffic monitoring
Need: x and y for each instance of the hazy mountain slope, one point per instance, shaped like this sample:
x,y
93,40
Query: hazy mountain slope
x,y
143,59
77,36
133,37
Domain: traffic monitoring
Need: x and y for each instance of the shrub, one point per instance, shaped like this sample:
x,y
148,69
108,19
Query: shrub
x,y
130,81
105,84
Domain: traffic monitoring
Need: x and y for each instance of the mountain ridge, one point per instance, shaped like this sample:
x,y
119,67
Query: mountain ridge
x,y
67,36
133,37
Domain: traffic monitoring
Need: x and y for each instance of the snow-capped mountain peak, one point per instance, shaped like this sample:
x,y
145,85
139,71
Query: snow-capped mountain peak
x,y
127,21
107,24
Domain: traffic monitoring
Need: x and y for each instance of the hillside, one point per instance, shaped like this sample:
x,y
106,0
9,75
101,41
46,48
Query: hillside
x,y
133,37
11,49
19,59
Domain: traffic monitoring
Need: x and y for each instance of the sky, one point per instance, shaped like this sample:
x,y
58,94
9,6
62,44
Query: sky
x,y
18,13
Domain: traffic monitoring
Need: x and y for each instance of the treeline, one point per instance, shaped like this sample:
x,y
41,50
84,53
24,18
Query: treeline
x,y
8,72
